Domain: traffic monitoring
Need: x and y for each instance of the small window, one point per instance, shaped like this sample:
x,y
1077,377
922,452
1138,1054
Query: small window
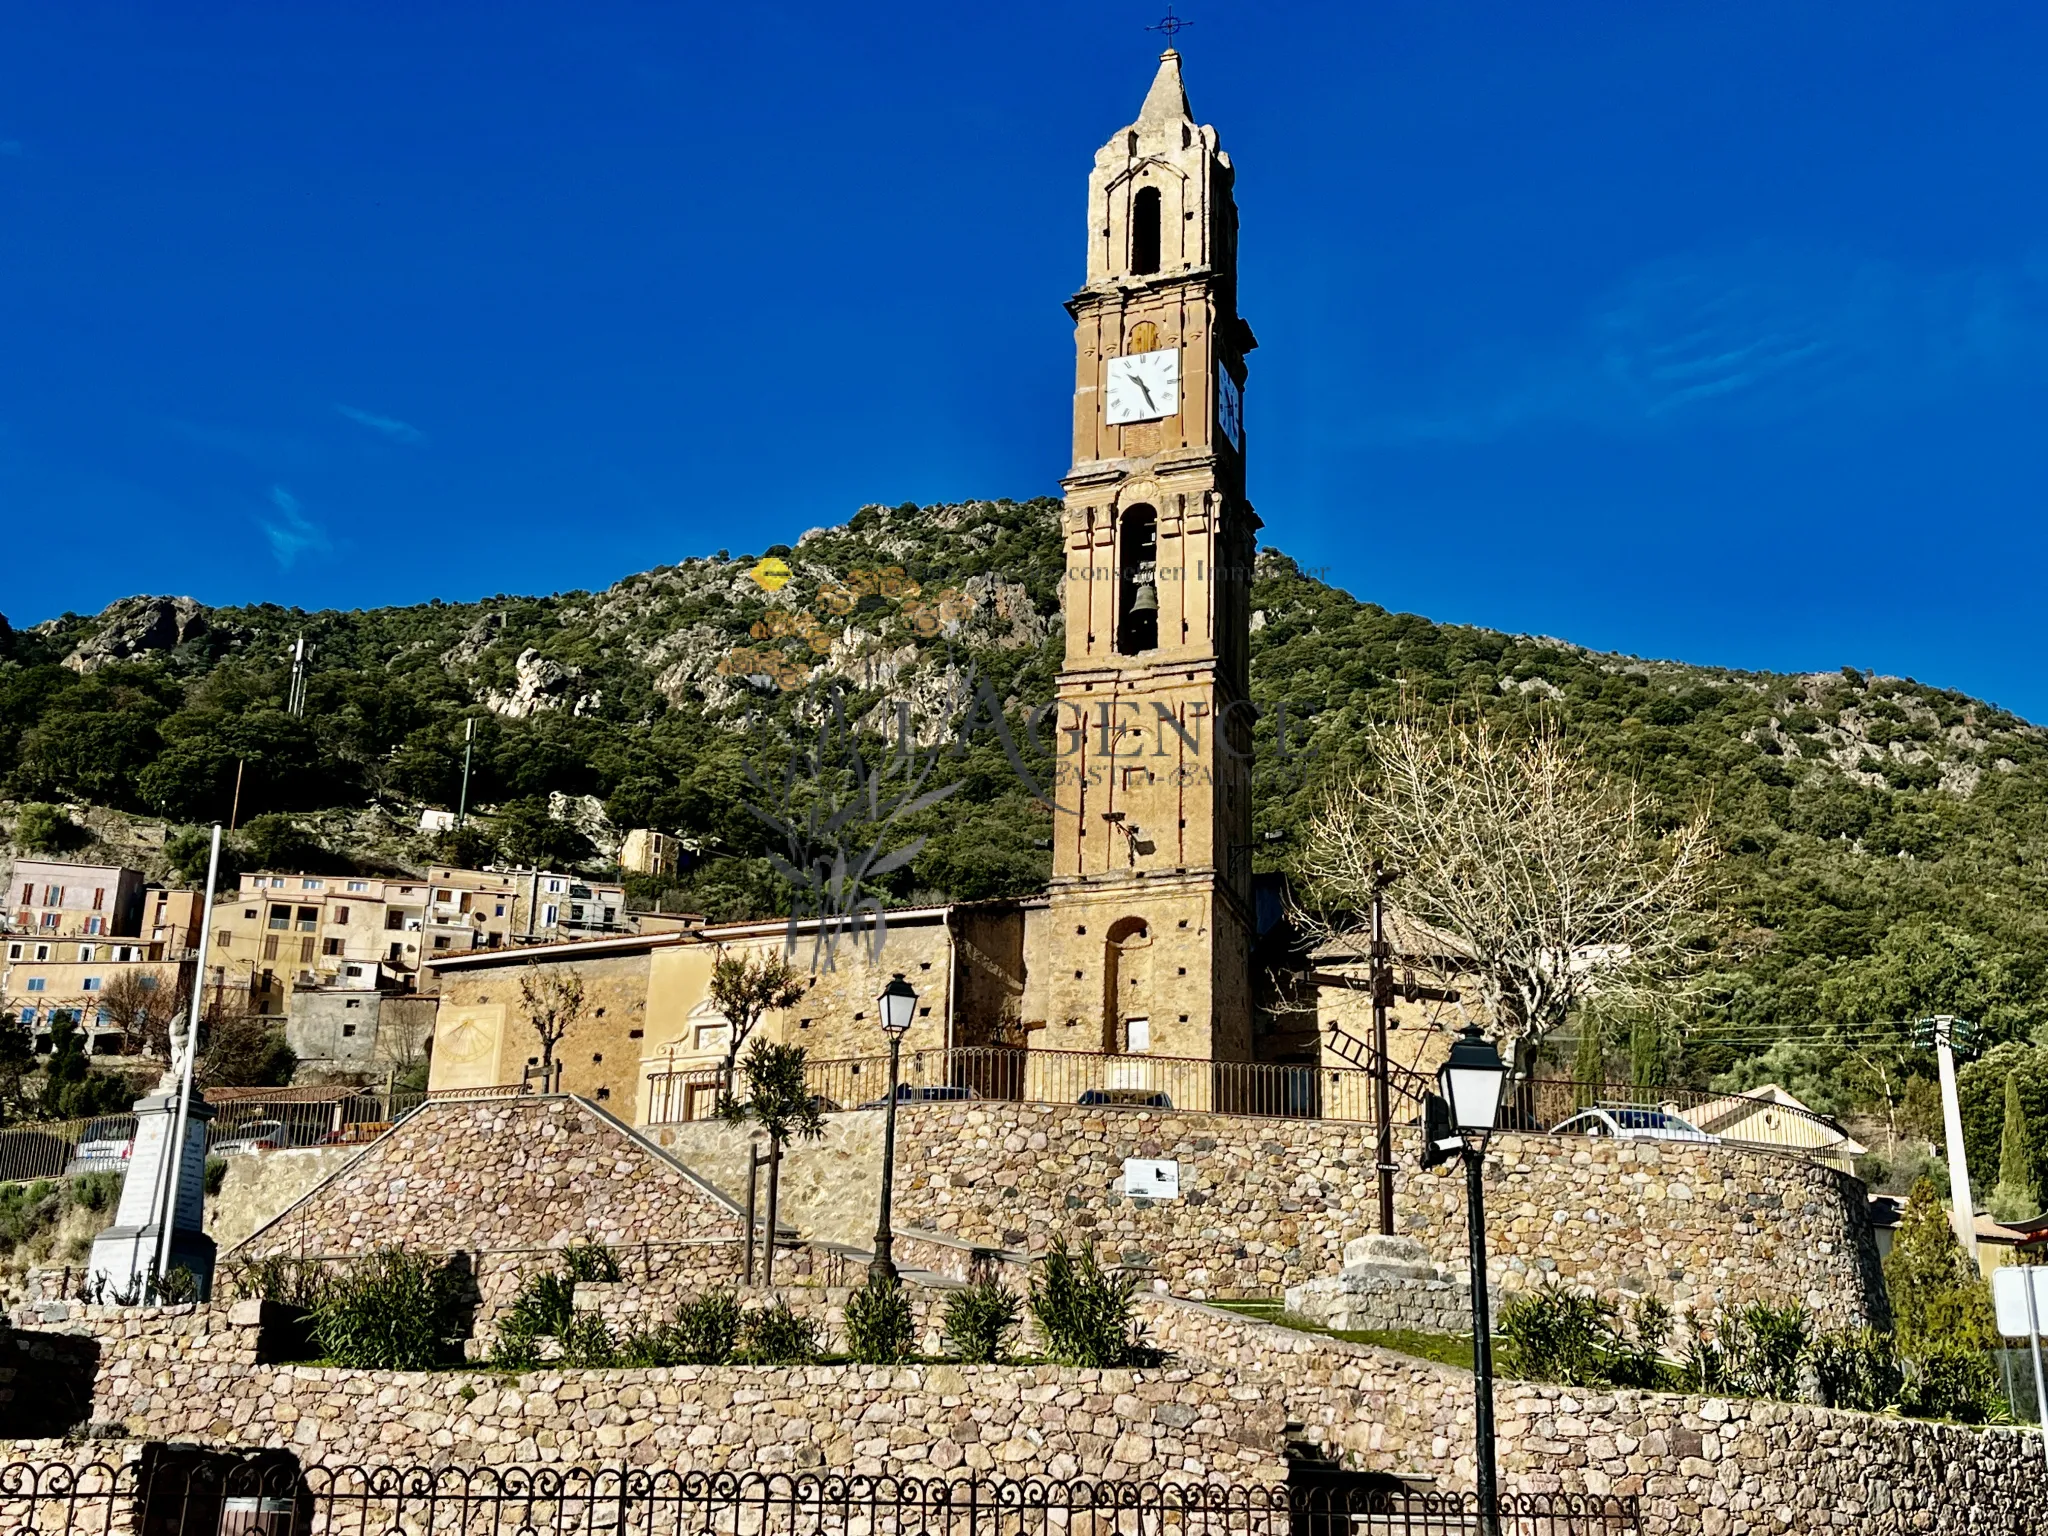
x,y
148,983
270,946
1145,230
635,1034
354,1002
359,885
309,885
14,951
341,914
85,953
99,897
35,983
440,941
330,946
248,912
95,925
347,1030
91,984
224,938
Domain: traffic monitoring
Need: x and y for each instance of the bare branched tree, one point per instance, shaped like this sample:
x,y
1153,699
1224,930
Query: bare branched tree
x,y
1559,882
552,1000
143,1009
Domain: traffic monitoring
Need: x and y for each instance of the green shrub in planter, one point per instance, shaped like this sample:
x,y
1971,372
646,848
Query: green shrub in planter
x,y
1857,1368
878,1325
979,1320
1765,1349
1637,1360
707,1329
777,1336
1560,1335
590,1261
1951,1381
1084,1311
588,1343
650,1347
388,1311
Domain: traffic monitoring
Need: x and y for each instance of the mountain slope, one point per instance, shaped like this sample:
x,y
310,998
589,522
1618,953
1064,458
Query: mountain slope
x,y
1887,840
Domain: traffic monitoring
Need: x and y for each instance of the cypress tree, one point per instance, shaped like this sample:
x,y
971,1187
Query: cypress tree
x,y
1646,1053
1589,1066
2019,1187
1936,1293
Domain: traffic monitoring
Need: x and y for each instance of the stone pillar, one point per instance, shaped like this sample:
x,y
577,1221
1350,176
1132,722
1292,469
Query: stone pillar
x,y
125,1253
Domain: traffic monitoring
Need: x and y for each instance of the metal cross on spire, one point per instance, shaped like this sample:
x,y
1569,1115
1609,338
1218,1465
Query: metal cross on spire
x,y
1170,24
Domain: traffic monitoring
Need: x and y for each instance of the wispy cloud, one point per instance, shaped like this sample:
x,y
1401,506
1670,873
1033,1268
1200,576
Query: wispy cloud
x,y
1768,331
290,531
397,431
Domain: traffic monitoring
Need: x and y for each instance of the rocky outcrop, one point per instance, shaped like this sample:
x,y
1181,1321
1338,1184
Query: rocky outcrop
x,y
140,626
538,685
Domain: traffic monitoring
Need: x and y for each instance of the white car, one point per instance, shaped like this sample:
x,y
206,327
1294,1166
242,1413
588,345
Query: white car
x,y
1633,1122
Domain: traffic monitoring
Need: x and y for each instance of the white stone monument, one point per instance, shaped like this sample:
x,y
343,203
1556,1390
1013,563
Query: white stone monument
x,y
125,1256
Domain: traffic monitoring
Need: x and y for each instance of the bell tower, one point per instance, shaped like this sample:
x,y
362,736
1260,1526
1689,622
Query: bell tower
x,y
1150,913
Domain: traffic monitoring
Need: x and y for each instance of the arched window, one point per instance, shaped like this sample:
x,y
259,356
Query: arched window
x,y
1137,613
1145,230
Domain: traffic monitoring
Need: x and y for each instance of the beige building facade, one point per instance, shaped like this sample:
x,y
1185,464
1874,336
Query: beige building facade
x,y
52,898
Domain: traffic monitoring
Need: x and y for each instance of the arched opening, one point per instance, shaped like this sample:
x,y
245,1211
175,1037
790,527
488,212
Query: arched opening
x,y
1145,230
1126,1025
1137,608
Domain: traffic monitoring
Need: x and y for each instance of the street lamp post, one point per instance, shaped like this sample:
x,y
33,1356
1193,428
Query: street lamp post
x,y
898,1004
1469,1091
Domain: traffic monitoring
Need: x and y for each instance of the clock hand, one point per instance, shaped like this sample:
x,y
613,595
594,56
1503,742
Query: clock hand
x,y
1144,391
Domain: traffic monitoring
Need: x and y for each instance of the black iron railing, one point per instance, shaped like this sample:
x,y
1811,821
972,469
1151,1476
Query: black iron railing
x,y
185,1491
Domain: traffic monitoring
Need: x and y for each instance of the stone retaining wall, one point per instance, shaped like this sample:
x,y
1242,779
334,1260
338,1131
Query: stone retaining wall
x,y
1233,1396
1266,1204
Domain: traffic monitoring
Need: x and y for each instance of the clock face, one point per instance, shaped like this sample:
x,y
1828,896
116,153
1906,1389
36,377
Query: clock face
x,y
1230,407
1144,386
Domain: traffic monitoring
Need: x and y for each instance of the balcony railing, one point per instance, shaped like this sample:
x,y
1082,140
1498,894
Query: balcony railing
x,y
1262,1090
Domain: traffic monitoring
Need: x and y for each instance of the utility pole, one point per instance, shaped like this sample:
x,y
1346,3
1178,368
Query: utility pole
x,y
1946,1028
468,744
1382,981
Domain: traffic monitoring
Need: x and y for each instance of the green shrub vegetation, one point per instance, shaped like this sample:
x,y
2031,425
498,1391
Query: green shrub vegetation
x,y
707,1329
1083,1311
979,1321
776,1336
879,1330
390,1311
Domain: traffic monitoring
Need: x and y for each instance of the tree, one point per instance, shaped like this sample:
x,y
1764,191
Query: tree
x,y
46,829
553,1001
2019,1186
1936,1293
1589,1061
1557,882
529,834
780,1101
144,1010
72,1090
468,846
275,841
243,1050
743,990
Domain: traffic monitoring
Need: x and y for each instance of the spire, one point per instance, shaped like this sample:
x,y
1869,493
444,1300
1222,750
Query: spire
x,y
1167,101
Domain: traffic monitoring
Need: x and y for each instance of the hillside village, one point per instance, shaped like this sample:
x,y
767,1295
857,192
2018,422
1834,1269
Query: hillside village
x,y
928,1008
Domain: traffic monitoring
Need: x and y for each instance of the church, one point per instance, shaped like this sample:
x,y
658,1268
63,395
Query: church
x,y
1132,979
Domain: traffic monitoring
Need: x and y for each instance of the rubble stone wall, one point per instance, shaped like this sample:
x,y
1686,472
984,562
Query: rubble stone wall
x,y
1265,1204
1223,1409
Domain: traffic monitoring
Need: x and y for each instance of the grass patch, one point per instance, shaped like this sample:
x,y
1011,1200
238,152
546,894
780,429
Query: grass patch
x,y
1444,1349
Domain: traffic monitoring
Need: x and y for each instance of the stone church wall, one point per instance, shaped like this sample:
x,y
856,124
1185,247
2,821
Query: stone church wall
x,y
1266,1204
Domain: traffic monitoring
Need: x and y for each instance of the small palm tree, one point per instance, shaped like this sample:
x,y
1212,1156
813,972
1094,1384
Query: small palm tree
x,y
779,1101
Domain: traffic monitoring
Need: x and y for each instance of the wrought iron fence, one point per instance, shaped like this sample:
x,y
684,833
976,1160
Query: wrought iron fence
x,y
103,1144
185,1491
1265,1090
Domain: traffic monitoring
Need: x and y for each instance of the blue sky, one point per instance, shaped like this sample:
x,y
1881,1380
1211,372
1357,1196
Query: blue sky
x,y
1710,331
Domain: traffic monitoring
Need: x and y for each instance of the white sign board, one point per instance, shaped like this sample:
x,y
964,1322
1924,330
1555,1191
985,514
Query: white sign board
x,y
1147,1178
2009,1298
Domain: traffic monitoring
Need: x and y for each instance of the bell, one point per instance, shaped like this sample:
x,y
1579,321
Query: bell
x,y
1147,600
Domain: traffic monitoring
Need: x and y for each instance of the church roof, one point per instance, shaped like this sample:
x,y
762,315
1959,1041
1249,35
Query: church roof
x,y
1167,101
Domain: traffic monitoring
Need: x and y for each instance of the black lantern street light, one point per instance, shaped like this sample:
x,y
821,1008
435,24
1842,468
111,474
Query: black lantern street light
x,y
1469,1089
898,1004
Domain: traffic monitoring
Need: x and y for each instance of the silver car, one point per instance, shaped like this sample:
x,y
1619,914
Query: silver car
x,y
1633,1122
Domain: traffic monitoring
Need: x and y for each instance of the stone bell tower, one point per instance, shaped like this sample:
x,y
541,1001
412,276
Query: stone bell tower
x,y
1150,915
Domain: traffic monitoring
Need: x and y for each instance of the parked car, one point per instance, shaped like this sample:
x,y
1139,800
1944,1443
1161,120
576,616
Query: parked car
x,y
1127,1098
252,1136
354,1134
1633,1122
105,1147
921,1093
